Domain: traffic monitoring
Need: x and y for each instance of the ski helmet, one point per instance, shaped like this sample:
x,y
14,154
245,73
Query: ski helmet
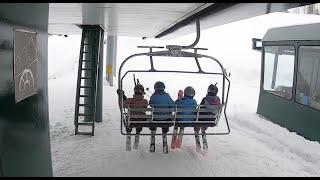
x,y
212,90
189,91
159,85
139,89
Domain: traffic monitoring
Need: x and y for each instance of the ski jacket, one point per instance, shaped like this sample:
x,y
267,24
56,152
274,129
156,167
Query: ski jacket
x,y
137,101
186,102
161,100
211,102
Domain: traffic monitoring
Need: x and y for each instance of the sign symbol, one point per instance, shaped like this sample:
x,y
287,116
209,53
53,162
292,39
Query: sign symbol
x,y
26,79
109,69
25,64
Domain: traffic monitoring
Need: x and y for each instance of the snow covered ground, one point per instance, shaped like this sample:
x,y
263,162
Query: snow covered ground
x,y
255,147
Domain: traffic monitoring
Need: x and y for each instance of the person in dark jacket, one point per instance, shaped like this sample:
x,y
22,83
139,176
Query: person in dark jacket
x,y
161,99
212,101
137,101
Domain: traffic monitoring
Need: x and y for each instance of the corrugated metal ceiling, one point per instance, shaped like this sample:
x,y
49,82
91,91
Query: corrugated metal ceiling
x,y
122,19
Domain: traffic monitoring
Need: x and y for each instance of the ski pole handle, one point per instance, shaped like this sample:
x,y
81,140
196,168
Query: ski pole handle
x,y
134,79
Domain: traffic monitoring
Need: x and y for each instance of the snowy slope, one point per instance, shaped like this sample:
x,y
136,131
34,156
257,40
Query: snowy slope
x,y
255,147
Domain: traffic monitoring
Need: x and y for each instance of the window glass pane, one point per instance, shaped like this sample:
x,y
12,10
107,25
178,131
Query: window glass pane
x,y
308,77
278,70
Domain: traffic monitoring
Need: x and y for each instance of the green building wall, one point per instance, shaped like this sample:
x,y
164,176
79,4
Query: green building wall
x,y
24,126
295,117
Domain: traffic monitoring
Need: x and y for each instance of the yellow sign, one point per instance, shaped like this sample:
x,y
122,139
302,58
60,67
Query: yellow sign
x,y
109,69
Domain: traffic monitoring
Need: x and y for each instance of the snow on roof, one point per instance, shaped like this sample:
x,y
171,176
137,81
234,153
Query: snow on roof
x,y
296,32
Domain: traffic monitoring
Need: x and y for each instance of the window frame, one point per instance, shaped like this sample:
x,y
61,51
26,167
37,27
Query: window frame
x,y
297,65
282,43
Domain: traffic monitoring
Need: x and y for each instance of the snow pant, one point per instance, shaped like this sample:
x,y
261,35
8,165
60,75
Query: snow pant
x,y
138,129
204,128
164,128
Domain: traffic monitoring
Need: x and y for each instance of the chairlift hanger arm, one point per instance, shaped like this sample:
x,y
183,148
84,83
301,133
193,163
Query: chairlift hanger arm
x,y
193,44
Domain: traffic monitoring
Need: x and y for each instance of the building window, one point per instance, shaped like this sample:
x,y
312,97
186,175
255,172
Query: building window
x,y
308,76
279,70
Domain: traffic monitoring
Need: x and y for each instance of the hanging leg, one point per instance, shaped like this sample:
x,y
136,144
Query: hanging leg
x,y
198,145
204,139
164,139
174,138
136,138
152,141
128,141
180,136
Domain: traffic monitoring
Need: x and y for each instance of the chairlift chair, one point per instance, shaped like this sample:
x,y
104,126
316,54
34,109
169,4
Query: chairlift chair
x,y
127,119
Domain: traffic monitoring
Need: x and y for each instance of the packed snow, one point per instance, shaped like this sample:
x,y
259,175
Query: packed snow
x,y
255,146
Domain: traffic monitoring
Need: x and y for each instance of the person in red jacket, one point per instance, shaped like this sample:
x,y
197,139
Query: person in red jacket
x,y
137,101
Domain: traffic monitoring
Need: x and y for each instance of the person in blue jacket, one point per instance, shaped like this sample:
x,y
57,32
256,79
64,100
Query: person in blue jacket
x,y
187,102
161,99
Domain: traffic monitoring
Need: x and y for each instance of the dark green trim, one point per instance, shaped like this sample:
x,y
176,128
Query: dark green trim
x,y
1,174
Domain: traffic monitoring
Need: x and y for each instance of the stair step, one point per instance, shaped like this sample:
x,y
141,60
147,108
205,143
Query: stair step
x,y
86,86
85,96
85,133
87,105
86,123
82,114
90,44
87,69
88,52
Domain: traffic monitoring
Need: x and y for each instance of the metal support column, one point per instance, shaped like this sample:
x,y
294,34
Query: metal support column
x,y
111,51
100,82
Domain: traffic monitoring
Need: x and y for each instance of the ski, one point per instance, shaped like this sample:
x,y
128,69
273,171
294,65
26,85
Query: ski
x,y
128,142
177,139
136,141
174,141
152,141
174,138
180,136
198,145
165,144
204,141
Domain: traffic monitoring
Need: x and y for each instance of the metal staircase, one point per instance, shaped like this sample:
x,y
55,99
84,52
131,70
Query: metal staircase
x,y
87,82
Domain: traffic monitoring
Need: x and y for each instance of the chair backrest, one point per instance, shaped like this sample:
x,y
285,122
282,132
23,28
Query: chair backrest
x,y
202,116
